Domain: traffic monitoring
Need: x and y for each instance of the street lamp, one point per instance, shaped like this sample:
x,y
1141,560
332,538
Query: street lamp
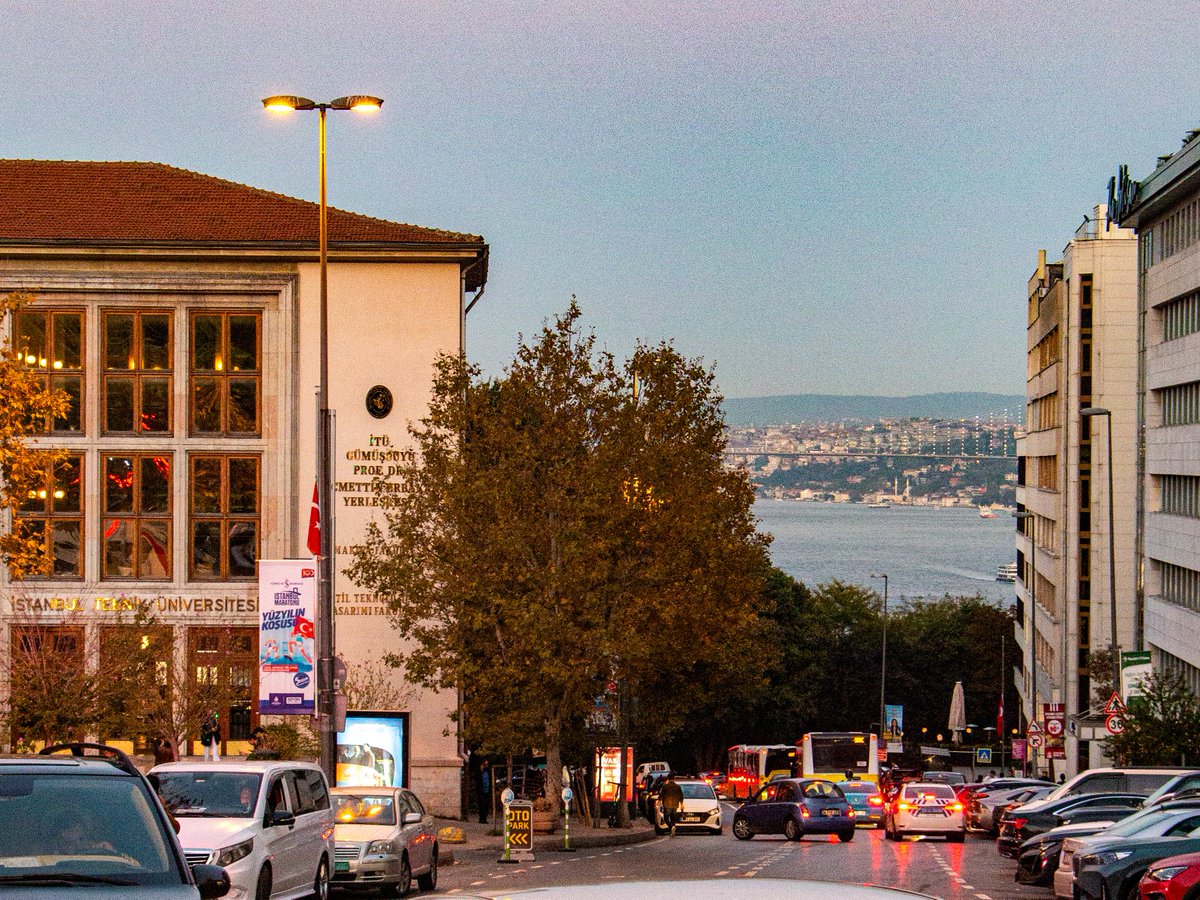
x,y
325,646
1090,412
883,657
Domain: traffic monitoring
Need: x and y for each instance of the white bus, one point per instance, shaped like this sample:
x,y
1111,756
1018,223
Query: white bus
x,y
833,754
752,765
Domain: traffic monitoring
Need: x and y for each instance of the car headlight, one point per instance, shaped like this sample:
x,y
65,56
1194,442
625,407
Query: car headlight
x,y
1109,856
379,847
1165,873
227,856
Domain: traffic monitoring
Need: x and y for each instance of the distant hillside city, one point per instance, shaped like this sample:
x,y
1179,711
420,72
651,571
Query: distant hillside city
x,y
961,453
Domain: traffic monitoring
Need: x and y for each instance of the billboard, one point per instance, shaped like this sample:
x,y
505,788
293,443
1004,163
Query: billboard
x,y
1054,715
372,750
893,728
608,772
287,607
1135,669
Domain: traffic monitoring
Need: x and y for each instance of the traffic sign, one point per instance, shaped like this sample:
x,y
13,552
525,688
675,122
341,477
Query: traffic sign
x,y
1036,741
1115,706
1034,728
508,796
1054,727
1115,724
567,795
983,755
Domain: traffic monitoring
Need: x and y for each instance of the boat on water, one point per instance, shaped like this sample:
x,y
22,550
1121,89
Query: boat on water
x,y
986,512
881,505
1007,572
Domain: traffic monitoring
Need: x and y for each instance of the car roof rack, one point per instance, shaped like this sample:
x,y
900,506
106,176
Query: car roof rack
x,y
82,750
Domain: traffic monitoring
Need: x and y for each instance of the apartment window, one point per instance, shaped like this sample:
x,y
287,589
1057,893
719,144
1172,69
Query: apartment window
x,y
1181,317
53,513
1180,404
1047,472
1180,495
51,342
226,377
1180,585
224,523
137,517
137,372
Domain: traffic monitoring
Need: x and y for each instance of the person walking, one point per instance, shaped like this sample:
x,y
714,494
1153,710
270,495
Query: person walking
x,y
670,796
164,751
210,736
485,791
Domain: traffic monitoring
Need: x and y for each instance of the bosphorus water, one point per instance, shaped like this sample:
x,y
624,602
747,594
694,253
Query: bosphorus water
x,y
925,551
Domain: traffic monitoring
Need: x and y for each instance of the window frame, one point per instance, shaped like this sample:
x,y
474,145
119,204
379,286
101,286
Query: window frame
x,y
224,375
139,374
49,373
224,517
49,517
136,517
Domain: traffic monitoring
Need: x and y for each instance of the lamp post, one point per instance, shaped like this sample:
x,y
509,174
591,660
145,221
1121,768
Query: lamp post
x,y
325,643
883,657
1091,412
1022,516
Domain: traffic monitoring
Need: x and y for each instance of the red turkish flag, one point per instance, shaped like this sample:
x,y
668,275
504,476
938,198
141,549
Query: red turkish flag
x,y
303,627
314,526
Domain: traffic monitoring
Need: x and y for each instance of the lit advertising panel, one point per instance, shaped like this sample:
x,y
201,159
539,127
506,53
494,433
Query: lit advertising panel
x,y
372,751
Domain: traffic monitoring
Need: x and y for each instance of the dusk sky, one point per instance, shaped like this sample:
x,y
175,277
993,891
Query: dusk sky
x,y
841,198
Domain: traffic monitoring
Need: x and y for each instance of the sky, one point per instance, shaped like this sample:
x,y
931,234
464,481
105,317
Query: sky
x,y
813,197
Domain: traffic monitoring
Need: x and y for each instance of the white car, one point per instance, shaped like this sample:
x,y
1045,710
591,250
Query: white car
x,y
701,809
384,837
925,808
268,823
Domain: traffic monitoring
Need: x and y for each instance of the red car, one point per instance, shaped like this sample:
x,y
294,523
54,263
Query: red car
x,y
1173,878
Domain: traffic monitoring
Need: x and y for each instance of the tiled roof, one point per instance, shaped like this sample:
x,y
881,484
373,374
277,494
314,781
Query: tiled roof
x,y
102,202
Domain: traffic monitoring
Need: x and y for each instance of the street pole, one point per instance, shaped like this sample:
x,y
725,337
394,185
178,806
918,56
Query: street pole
x,y
883,658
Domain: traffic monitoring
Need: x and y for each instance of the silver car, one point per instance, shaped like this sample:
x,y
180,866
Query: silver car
x,y
383,838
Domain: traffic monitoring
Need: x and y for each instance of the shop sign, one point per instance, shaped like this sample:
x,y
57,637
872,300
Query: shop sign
x,y
287,595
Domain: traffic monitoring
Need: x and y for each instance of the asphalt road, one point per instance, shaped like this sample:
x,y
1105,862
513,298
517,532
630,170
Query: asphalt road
x,y
971,870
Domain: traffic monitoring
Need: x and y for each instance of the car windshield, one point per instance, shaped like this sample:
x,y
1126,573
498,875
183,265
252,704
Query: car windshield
x,y
223,795
86,826
857,787
697,791
366,809
940,791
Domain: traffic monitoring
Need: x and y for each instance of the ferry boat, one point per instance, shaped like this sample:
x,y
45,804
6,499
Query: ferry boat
x,y
1007,572
986,513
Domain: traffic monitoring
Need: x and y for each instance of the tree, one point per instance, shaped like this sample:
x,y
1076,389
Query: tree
x,y
27,404
1162,726
566,524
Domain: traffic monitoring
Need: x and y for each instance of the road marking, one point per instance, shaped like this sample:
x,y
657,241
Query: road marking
x,y
983,897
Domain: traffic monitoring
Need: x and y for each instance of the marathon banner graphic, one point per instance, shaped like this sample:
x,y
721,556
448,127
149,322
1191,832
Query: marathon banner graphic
x,y
287,606
893,728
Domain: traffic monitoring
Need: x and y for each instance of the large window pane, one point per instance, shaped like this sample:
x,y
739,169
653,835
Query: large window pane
x,y
156,484
243,549
31,335
243,485
243,343
206,550
73,419
68,479
156,404
118,548
156,341
206,344
68,543
243,405
118,484
206,405
154,553
118,342
206,485
68,341
118,406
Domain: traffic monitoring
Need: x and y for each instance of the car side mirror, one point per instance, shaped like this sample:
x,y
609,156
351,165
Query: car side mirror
x,y
283,817
212,881
412,818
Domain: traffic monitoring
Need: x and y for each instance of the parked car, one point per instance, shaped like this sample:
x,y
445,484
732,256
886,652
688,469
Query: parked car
x,y
1173,878
268,823
973,797
1039,859
701,809
1112,868
1135,780
925,808
1020,823
796,807
867,800
1174,818
91,816
984,811
383,838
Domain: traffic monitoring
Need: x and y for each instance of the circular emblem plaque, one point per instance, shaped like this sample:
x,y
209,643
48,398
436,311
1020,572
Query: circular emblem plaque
x,y
379,401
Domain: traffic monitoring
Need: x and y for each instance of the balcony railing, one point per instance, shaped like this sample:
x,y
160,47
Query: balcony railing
x,y
1091,228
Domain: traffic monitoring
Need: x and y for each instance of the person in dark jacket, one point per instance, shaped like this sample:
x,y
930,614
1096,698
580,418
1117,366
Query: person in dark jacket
x,y
670,797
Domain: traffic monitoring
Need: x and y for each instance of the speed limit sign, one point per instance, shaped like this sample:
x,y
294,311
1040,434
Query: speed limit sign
x,y
1036,741
1115,724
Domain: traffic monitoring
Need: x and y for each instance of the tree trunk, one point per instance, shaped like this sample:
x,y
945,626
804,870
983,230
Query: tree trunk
x,y
553,782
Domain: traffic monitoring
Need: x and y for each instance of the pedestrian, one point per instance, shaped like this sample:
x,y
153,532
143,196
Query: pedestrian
x,y
164,751
485,791
670,797
1062,778
210,736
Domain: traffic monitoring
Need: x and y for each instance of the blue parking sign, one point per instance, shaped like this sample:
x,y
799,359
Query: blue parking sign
x,y
983,755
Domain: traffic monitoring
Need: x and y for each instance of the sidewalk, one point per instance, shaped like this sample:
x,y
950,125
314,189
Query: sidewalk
x,y
489,838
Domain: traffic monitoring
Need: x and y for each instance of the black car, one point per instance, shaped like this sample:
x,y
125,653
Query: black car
x,y
91,819
1039,855
1020,823
1112,869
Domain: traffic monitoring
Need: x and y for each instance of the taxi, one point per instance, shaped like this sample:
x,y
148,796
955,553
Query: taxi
x,y
925,808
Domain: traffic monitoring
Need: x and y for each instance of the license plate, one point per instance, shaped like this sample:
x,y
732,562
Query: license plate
x,y
689,818
341,867
936,811
829,812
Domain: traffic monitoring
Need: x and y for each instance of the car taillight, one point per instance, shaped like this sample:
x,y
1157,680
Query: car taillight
x,y
1018,823
954,807
850,812
875,801
804,813
904,806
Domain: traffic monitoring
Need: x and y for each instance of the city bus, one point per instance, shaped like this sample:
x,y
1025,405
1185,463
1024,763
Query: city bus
x,y
831,754
752,765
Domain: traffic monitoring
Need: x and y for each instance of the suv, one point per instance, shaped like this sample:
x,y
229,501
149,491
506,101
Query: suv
x,y
268,823
90,819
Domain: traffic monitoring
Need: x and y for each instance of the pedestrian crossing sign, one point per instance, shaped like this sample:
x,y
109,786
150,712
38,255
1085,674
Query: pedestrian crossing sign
x,y
983,755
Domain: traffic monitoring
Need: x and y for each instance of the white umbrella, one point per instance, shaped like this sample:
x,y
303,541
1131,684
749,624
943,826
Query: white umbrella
x,y
958,713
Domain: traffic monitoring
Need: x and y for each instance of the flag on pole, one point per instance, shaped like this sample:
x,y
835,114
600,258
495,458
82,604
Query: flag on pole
x,y
314,525
1000,719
